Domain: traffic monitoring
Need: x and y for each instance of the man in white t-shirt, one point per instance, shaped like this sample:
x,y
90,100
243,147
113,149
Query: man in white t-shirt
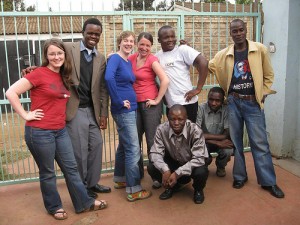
x,y
176,62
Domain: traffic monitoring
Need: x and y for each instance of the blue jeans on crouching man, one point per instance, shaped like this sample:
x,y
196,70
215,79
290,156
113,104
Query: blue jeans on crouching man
x,y
241,111
45,146
128,152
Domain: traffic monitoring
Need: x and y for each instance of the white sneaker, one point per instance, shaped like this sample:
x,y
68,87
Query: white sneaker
x,y
156,184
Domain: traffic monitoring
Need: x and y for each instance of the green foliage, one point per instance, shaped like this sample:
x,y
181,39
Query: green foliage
x,y
15,156
31,8
18,5
136,6
214,1
162,6
247,2
4,175
7,158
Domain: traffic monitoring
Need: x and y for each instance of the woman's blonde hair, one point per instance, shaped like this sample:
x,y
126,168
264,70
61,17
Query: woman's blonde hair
x,y
123,35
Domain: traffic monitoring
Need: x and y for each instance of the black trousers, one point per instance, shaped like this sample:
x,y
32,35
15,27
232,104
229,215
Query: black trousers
x,y
199,174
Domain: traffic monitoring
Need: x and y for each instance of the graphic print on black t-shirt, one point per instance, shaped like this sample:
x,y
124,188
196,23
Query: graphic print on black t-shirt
x,y
241,81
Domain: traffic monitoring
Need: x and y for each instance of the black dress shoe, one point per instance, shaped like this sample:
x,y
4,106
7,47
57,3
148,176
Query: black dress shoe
x,y
239,183
198,197
168,193
100,189
91,194
274,190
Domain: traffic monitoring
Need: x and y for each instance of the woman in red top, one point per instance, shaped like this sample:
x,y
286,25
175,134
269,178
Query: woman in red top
x,y
146,68
45,132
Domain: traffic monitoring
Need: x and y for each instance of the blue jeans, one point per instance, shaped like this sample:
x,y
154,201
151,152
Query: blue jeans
x,y
249,112
45,146
128,152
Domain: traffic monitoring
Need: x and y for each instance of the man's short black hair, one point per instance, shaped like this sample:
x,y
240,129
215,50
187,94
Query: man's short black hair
x,y
177,107
239,21
218,90
94,21
165,27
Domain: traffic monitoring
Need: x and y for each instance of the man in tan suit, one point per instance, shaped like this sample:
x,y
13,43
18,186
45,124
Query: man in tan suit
x,y
87,109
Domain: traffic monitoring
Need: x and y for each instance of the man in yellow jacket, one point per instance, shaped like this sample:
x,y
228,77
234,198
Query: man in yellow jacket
x,y
245,73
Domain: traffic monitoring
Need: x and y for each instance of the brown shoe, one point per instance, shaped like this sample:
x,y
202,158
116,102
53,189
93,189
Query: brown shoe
x,y
120,185
221,172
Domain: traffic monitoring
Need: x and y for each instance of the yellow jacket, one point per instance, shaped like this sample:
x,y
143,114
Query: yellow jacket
x,y
260,64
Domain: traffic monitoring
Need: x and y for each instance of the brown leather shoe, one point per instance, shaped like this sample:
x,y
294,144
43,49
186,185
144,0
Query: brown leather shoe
x,y
221,172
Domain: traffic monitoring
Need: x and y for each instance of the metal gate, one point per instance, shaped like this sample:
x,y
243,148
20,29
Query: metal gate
x,y
204,26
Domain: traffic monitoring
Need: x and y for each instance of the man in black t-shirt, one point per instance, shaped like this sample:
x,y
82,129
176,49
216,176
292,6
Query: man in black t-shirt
x,y
245,73
241,81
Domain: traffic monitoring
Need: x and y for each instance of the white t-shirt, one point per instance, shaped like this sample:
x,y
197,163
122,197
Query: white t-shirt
x,y
176,64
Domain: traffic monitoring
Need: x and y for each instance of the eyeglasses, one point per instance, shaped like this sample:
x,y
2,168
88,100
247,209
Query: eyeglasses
x,y
54,54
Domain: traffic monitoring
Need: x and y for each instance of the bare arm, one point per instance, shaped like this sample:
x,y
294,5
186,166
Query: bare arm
x,y
201,65
103,122
221,140
219,137
164,83
223,144
12,95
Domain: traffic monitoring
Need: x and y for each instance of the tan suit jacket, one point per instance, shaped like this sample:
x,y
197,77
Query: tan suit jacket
x,y
98,88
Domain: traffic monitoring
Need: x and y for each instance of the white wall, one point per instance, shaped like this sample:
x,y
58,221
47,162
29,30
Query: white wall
x,y
282,19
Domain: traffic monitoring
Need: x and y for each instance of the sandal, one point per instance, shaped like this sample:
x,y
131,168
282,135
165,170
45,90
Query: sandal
x,y
60,212
103,205
140,195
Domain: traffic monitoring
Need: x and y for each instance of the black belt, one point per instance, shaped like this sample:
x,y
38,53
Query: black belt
x,y
244,97
85,105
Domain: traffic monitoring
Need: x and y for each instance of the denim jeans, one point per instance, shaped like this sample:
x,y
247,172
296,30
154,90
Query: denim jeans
x,y
249,112
128,152
148,118
45,146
